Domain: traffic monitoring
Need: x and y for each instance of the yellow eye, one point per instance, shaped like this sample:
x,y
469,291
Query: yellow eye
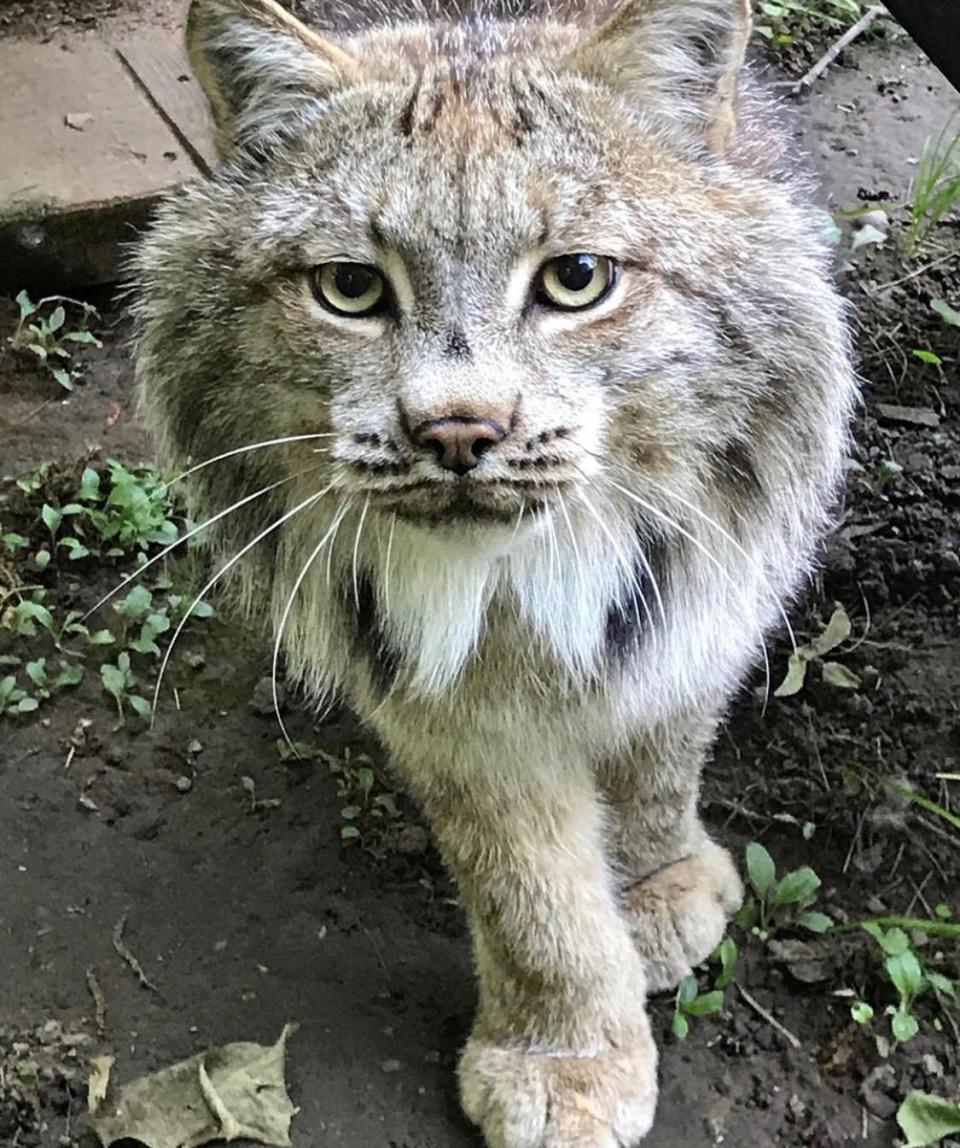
x,y
353,289
575,282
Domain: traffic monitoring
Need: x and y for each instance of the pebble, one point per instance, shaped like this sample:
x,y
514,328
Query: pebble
x,y
390,1066
261,701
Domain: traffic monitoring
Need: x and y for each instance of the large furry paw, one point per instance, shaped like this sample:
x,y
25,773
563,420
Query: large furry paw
x,y
538,1100
679,914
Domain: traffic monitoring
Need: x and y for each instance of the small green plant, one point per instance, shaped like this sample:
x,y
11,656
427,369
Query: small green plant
x,y
42,333
910,977
129,513
936,187
368,806
925,1120
775,902
691,1002
833,673
120,682
16,700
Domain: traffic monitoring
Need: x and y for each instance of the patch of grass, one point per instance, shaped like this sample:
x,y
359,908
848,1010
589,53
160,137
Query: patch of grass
x,y
44,335
936,187
779,902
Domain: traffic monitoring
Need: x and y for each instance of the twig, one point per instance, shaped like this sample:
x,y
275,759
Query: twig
x,y
121,946
70,755
831,54
913,275
99,1002
948,776
771,1020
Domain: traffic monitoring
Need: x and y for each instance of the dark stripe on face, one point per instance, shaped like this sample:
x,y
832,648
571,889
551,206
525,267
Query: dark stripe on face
x,y
629,618
372,640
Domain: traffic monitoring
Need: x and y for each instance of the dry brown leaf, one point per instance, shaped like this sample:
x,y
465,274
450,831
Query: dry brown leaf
x,y
221,1094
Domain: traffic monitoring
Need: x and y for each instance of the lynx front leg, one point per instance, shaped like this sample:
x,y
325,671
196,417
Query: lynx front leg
x,y
561,1054
679,887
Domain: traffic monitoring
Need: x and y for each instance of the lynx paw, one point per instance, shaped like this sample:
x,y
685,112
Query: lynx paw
x,y
679,914
536,1100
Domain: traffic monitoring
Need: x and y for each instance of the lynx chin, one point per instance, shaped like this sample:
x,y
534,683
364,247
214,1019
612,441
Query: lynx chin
x,y
503,351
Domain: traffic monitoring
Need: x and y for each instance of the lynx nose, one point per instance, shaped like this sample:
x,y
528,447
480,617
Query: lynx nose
x,y
458,441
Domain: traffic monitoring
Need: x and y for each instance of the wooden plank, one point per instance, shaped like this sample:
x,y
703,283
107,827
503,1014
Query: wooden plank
x,y
157,61
83,155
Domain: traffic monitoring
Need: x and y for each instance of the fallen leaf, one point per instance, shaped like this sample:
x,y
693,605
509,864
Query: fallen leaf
x,y
225,1093
866,235
98,1083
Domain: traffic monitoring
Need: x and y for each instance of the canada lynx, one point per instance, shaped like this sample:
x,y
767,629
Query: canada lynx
x,y
516,349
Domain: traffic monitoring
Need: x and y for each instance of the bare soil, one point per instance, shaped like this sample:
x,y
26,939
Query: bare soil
x,y
245,918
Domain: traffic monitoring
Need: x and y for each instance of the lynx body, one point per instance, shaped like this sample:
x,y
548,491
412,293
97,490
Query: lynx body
x,y
576,383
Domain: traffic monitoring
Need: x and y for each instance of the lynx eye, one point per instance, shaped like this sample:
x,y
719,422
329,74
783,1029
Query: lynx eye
x,y
353,289
575,282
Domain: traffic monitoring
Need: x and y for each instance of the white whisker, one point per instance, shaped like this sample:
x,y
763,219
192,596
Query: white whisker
x,y
356,550
331,531
724,573
728,537
190,533
628,568
577,557
386,565
216,578
244,450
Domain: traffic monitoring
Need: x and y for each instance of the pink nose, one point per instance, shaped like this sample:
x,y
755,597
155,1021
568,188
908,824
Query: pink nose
x,y
459,441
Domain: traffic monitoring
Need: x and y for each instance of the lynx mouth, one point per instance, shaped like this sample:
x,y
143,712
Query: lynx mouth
x,y
431,503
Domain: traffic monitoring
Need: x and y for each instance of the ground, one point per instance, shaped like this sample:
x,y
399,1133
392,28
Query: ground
x,y
247,907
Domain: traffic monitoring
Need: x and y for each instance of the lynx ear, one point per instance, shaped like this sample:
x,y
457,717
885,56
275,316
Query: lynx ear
x,y
681,57
258,64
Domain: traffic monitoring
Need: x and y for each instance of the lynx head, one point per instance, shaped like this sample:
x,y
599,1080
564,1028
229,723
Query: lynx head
x,y
496,262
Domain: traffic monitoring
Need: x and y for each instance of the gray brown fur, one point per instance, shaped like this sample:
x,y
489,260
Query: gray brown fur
x,y
501,631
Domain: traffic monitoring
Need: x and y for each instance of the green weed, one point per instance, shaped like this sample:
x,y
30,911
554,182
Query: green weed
x,y
910,978
925,1120
936,187
832,673
690,1002
776,903
42,333
116,512
368,806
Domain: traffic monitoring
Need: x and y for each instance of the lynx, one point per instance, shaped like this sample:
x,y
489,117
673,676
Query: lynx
x,y
502,351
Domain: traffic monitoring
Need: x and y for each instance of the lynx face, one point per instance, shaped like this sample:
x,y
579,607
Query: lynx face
x,y
479,264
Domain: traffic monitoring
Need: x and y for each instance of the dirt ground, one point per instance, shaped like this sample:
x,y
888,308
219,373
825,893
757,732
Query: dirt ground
x,y
245,917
